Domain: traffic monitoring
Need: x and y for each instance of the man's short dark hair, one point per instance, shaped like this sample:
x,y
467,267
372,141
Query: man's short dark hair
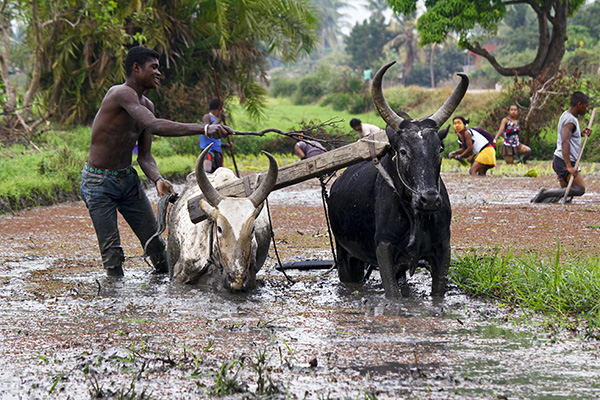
x,y
214,104
354,122
579,97
139,55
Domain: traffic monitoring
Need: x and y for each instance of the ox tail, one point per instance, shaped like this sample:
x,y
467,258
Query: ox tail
x,y
161,217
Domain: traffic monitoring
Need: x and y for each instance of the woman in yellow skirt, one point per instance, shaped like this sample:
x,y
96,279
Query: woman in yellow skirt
x,y
476,146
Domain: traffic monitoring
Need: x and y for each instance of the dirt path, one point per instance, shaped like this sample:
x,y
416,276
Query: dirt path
x,y
68,332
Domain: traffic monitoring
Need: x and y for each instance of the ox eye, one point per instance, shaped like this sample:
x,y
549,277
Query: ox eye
x,y
441,149
403,152
219,230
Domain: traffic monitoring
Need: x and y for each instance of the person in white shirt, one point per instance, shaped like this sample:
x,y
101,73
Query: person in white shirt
x,y
476,145
363,129
568,146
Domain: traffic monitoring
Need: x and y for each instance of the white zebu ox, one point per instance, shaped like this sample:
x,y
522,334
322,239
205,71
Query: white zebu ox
x,y
231,245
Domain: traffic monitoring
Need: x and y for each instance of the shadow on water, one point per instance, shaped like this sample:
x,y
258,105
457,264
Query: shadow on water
x,y
321,339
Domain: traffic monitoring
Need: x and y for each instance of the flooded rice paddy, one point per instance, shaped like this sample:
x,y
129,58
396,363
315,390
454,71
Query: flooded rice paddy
x,y
68,332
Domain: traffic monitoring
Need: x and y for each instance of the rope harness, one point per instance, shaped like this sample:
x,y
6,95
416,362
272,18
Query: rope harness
x,y
161,218
290,280
325,198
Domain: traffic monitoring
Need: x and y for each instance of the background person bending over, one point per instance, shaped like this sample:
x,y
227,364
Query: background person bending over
x,y
568,145
308,148
363,129
475,145
511,146
109,182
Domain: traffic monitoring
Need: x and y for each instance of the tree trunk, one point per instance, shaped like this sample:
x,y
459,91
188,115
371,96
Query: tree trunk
x,y
10,107
556,49
37,61
431,73
551,48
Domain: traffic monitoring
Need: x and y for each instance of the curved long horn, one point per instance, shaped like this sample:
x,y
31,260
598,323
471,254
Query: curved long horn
x,y
388,115
446,110
261,193
212,195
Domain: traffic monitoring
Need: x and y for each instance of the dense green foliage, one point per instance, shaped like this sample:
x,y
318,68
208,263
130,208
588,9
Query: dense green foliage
x,y
474,21
365,43
233,37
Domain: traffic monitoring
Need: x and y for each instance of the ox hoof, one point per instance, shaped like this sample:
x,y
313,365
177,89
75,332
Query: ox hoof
x,y
405,291
161,266
114,272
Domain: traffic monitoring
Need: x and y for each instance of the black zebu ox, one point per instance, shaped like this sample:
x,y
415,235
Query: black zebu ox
x,y
394,222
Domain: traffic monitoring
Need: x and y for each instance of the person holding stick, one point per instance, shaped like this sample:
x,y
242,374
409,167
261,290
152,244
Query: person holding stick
x,y
216,115
568,147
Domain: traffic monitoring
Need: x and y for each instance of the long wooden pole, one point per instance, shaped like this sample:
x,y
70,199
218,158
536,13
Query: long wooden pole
x,y
564,200
237,173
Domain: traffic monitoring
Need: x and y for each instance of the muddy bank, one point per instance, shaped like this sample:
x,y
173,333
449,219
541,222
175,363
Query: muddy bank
x,y
69,332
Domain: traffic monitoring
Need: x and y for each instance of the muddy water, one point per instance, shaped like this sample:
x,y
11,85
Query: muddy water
x,y
68,332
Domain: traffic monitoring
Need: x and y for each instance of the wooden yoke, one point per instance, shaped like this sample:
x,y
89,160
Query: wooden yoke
x,y
301,171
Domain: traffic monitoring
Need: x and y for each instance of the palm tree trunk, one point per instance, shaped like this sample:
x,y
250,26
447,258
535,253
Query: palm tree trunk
x,y
10,106
431,73
37,62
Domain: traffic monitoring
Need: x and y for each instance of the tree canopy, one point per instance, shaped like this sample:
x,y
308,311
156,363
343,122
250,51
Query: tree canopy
x,y
365,42
77,48
473,21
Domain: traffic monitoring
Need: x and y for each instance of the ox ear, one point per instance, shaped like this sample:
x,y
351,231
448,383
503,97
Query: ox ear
x,y
258,209
210,211
443,133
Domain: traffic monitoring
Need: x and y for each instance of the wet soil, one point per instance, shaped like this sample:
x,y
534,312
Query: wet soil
x,y
69,332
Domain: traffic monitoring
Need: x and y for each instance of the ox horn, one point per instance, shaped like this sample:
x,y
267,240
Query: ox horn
x,y
261,193
388,115
210,193
446,110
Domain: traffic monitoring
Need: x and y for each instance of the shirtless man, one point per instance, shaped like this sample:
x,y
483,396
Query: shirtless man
x,y
109,182
568,145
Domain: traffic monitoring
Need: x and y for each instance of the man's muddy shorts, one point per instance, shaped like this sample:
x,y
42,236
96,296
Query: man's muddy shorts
x,y
560,167
511,151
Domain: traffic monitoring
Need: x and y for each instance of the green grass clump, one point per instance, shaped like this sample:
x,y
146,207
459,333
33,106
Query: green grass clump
x,y
175,167
29,178
564,286
532,173
257,162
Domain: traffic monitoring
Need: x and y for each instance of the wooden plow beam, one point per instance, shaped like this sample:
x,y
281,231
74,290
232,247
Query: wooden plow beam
x,y
364,149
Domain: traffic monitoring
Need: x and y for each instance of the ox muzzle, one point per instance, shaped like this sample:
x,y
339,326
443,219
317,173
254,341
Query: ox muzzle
x,y
428,201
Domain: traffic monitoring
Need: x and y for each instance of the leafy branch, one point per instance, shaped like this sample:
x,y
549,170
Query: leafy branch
x,y
302,134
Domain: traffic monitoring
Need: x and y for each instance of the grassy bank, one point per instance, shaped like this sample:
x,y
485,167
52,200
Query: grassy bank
x,y
30,178
566,287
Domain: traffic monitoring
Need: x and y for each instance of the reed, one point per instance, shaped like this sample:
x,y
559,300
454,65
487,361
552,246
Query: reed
x,y
563,285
